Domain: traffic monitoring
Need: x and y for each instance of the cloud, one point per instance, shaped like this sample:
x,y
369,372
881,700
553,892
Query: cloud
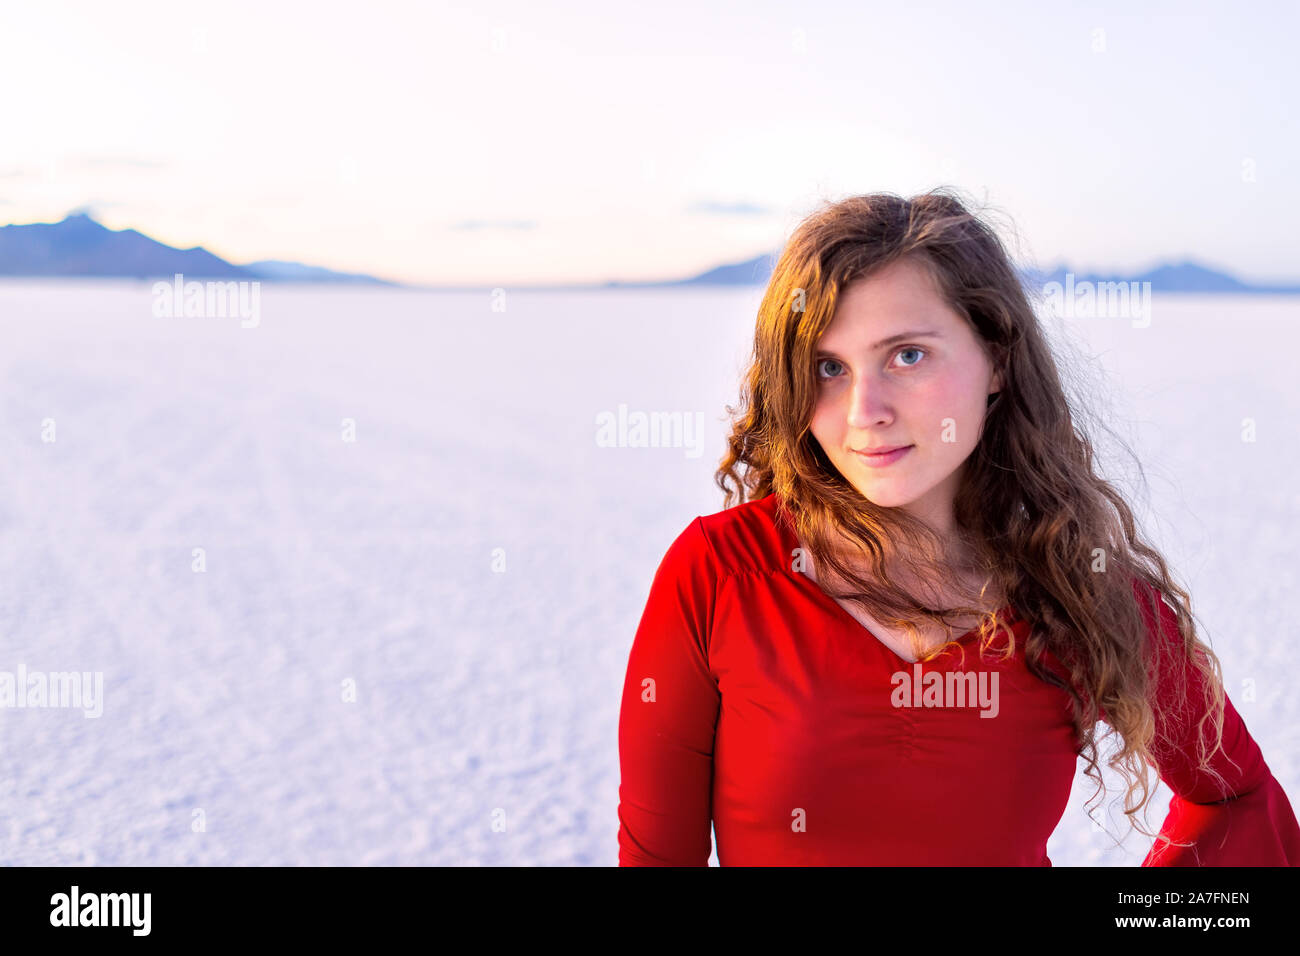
x,y
116,162
98,163
708,207
469,224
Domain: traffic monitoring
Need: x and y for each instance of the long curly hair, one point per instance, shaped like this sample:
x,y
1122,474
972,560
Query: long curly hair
x,y
1046,531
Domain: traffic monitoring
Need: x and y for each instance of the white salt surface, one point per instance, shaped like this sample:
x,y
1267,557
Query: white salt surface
x,y
484,725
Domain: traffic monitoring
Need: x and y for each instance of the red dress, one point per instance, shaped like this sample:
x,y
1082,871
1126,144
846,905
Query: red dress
x,y
755,702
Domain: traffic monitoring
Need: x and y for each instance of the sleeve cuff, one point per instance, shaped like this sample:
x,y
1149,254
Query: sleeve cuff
x,y
1255,829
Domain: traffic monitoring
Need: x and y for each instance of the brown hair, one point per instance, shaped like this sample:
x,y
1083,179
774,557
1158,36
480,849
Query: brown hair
x,y
1051,535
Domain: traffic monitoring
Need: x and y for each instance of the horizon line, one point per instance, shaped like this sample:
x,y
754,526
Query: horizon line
x,y
1061,262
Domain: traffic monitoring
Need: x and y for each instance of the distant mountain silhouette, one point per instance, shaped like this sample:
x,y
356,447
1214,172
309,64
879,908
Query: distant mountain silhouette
x,y
750,272
754,271
1186,276
279,270
80,246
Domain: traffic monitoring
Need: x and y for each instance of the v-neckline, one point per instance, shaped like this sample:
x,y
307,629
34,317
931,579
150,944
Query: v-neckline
x,y
791,540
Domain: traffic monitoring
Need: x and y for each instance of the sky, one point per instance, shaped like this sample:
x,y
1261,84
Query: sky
x,y
500,142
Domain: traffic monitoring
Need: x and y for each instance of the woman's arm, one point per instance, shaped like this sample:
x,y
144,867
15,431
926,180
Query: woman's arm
x,y
669,714
1248,823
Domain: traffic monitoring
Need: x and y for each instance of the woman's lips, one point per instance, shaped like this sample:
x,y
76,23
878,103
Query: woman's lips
x,y
883,459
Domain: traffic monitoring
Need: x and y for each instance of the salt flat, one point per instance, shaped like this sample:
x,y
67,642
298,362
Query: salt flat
x,y
473,565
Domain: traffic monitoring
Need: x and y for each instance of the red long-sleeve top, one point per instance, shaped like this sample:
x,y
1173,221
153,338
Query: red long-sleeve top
x,y
754,702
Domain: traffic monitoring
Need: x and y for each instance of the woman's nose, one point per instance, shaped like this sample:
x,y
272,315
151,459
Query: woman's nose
x,y
869,404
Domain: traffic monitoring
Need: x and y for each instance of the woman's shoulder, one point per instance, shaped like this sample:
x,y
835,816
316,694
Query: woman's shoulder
x,y
742,539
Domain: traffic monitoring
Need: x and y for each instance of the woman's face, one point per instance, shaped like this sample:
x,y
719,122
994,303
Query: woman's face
x,y
898,366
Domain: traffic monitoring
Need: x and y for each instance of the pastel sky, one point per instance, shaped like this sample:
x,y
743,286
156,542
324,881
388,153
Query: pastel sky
x,y
500,142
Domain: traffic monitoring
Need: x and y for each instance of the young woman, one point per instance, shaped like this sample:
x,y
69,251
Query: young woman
x,y
894,648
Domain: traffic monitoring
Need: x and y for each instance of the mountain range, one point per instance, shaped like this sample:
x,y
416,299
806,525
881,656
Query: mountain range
x,y
1185,276
79,246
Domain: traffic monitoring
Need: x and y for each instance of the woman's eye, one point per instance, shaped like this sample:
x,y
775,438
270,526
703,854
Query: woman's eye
x,y
836,366
824,362
911,364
